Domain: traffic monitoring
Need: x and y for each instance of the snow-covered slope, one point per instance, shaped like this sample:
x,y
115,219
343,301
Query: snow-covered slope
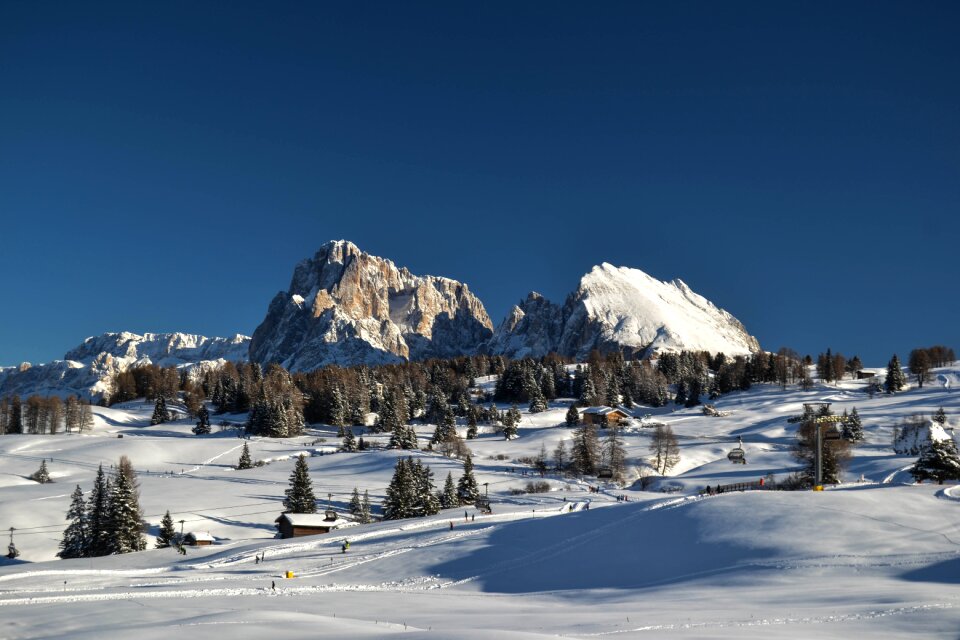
x,y
619,308
345,306
872,558
88,369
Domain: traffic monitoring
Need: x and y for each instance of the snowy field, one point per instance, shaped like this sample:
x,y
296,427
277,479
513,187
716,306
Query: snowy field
x,y
874,557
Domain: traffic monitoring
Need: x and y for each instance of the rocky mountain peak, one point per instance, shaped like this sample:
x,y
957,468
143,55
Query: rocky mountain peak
x,y
346,306
621,309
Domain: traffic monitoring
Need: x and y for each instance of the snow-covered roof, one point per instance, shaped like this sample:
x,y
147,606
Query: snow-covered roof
x,y
602,411
201,536
315,520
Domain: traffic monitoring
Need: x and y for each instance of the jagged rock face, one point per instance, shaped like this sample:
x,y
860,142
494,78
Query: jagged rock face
x,y
88,369
347,307
532,329
622,309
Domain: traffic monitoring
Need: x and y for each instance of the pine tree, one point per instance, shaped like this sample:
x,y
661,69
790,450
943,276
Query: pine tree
x,y
895,378
75,543
852,427
203,422
588,392
41,475
349,441
300,497
467,489
400,497
538,403
125,517
168,533
338,409
98,516
15,424
356,505
510,423
160,414
448,497
245,462
940,417
427,503
472,424
573,416
938,461
403,437
365,517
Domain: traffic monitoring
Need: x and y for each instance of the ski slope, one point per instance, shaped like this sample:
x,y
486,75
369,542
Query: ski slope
x,y
877,558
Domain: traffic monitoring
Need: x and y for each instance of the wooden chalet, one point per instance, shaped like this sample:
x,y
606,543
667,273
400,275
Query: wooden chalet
x,y
603,416
198,539
294,525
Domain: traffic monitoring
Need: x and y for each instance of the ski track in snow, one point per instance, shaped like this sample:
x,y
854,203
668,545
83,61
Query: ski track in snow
x,y
206,462
764,622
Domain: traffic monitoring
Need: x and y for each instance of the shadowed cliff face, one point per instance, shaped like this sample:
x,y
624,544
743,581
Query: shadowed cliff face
x,y
347,307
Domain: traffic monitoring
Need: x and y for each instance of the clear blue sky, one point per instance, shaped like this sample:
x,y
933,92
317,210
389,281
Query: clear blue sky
x,y
163,166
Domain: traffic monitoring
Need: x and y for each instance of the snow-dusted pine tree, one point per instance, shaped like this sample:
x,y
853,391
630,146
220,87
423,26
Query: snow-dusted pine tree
x,y
365,517
853,427
448,497
41,475
427,502
203,422
938,461
940,417
300,497
895,378
401,494
124,517
573,416
472,424
467,489
98,516
349,441
167,534
356,505
403,437
245,462
160,414
75,543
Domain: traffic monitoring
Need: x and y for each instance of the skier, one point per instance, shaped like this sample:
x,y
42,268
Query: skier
x,y
451,525
273,585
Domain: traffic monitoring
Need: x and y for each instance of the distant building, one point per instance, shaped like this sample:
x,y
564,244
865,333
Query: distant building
x,y
294,525
198,539
603,416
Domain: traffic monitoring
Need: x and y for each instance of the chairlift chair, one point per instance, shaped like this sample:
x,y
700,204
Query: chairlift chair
x,y
737,455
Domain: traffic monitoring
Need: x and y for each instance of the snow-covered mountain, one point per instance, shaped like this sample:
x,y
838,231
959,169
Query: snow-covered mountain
x,y
88,369
345,306
619,308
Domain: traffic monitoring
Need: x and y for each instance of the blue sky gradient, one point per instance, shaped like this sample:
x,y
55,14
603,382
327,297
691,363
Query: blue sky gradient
x,y
163,166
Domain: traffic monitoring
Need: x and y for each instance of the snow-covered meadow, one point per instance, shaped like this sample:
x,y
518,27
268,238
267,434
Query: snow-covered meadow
x,y
876,556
